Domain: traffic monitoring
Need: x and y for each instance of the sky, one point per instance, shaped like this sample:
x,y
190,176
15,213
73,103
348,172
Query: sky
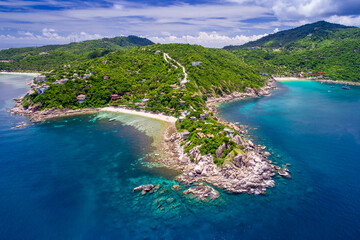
x,y
210,23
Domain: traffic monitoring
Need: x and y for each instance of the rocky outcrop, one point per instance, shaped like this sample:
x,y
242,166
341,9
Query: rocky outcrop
x,y
220,150
202,192
248,173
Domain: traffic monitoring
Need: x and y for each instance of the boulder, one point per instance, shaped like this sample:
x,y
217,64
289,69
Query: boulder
x,y
220,150
202,192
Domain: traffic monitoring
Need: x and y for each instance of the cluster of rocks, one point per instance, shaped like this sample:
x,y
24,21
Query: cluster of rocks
x,y
247,172
202,192
147,188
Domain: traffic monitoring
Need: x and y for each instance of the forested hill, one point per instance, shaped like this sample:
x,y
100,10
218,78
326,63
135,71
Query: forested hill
x,y
329,51
142,72
309,35
47,57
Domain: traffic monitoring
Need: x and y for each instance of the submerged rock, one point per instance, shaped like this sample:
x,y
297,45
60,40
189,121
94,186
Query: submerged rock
x,y
202,192
144,188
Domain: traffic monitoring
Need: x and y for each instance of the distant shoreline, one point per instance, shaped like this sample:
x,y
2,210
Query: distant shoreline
x,y
290,79
21,73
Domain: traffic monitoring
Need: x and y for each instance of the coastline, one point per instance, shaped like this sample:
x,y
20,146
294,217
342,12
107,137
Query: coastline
x,y
160,117
21,73
249,172
289,79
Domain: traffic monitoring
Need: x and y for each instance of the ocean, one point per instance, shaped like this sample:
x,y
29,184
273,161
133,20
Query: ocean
x,y
73,177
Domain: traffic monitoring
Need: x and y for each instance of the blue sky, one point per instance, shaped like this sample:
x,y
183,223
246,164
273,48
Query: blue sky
x,y
209,23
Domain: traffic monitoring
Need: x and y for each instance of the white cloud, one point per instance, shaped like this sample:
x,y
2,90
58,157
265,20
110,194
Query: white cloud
x,y
213,40
345,20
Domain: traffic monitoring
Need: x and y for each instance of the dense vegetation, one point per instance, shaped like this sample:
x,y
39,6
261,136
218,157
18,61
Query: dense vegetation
x,y
319,47
141,78
47,57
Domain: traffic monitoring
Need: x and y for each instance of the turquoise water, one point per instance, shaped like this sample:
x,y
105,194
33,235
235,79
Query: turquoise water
x,y
72,178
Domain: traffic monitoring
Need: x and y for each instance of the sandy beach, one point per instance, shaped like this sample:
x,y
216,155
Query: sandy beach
x,y
21,73
287,79
160,117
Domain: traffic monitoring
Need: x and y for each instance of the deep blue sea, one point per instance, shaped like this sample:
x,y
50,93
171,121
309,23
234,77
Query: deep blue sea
x,y
72,178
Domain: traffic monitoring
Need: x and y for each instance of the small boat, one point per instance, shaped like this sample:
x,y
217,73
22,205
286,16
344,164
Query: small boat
x,y
112,119
346,87
332,86
329,91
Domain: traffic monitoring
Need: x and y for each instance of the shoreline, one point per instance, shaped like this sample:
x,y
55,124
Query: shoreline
x,y
21,73
249,172
160,117
290,79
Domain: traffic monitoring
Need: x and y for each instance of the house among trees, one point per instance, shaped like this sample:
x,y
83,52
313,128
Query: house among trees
x,y
114,97
202,117
181,118
174,86
157,51
106,77
185,134
193,118
228,131
200,135
145,101
104,62
182,103
87,75
195,64
210,136
81,98
41,90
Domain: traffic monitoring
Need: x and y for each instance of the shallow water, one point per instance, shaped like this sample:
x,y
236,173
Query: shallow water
x,y
72,178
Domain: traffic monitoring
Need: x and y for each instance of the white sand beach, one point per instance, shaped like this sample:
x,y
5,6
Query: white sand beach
x,y
159,116
286,79
21,73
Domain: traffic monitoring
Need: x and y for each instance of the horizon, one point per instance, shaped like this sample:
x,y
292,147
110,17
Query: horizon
x,y
209,23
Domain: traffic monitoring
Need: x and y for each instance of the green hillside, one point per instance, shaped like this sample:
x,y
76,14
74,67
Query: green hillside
x,y
300,37
141,78
46,57
319,47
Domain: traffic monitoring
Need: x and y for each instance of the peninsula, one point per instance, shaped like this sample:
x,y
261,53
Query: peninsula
x,y
175,83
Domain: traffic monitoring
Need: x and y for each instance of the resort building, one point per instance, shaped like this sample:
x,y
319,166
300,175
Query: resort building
x,y
41,90
202,117
114,97
228,131
196,64
200,135
174,86
182,103
185,134
181,118
81,98
87,75
145,101
210,136
193,118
